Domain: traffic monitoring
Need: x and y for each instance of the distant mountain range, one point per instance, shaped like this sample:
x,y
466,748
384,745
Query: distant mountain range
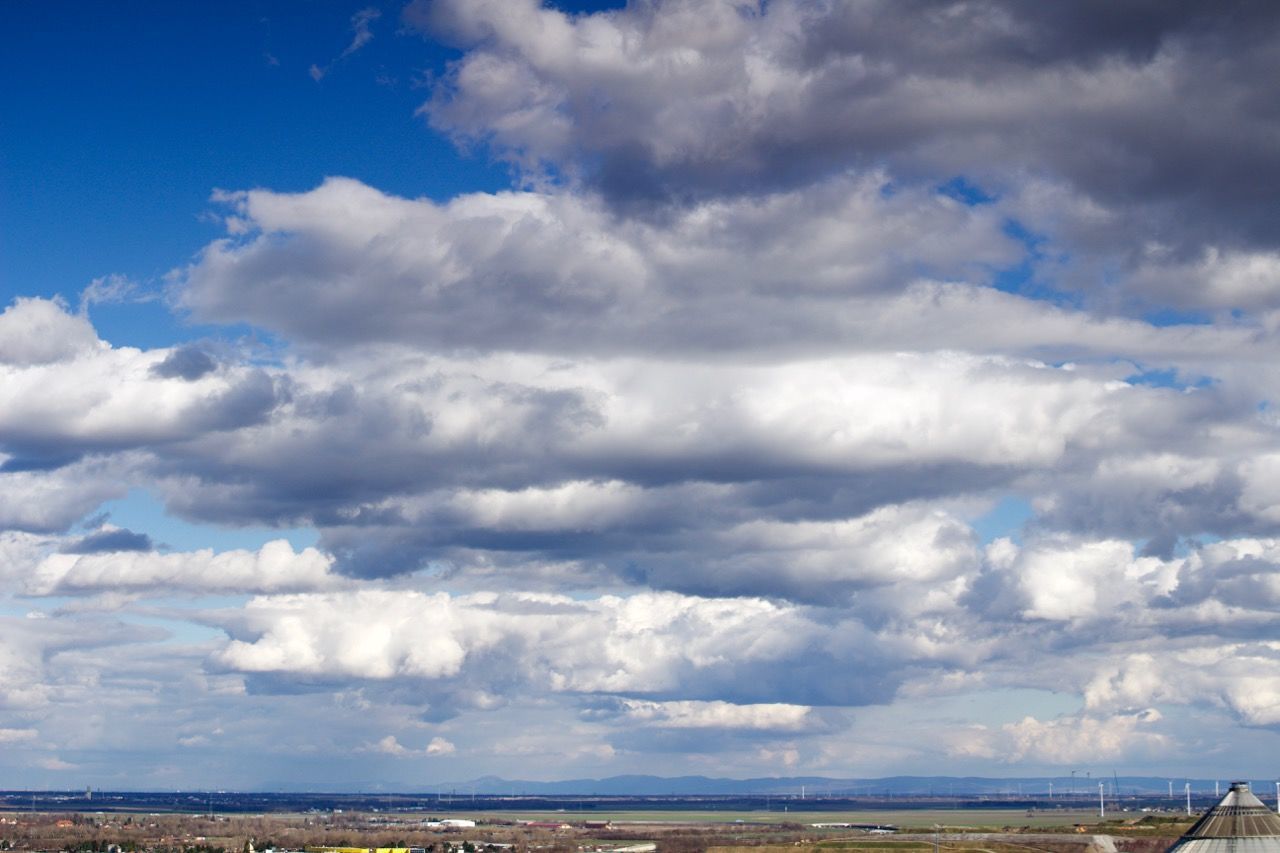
x,y
492,792
821,786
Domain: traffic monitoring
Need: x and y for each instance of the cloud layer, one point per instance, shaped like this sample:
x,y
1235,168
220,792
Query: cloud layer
x,y
854,388
1125,104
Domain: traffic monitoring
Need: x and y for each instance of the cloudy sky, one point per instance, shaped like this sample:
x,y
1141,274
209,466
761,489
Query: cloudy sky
x,y
397,394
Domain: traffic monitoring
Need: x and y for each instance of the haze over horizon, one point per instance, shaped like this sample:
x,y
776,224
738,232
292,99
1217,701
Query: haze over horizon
x,y
1079,792
393,394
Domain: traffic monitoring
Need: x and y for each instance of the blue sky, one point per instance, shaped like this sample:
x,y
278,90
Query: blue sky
x,y
393,394
123,121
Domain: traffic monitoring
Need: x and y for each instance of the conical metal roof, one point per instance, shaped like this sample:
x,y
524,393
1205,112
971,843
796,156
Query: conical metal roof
x,y
1239,823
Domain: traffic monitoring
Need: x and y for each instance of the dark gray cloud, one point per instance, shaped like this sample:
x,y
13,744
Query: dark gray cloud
x,y
185,362
247,401
106,541
1155,120
25,457
1132,102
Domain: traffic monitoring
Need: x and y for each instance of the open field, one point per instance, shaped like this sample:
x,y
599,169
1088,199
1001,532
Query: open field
x,y
968,843
670,831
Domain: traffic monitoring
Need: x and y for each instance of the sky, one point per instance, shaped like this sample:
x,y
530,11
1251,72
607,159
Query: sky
x,y
392,395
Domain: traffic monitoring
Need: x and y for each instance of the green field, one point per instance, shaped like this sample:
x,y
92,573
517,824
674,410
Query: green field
x,y
905,819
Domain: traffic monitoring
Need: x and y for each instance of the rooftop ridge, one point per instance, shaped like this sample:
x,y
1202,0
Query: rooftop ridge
x,y
1238,818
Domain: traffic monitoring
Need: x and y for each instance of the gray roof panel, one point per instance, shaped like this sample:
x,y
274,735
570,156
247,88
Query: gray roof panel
x,y
1239,823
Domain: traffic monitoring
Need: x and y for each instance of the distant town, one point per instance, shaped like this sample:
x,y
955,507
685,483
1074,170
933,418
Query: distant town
x,y
1118,817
